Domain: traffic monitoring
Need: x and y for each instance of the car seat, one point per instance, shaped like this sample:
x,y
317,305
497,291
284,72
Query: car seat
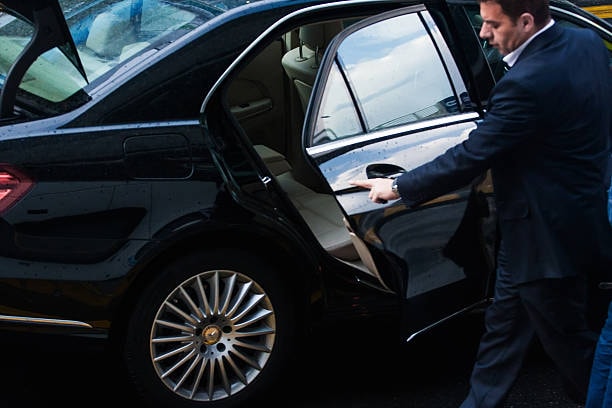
x,y
302,63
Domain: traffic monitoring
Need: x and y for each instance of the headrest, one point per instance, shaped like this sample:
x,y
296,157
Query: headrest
x,y
317,36
108,34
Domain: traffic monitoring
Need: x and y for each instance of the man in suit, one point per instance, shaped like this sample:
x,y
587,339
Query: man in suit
x,y
546,138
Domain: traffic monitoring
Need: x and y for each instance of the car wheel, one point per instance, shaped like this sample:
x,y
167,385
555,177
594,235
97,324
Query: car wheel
x,y
213,330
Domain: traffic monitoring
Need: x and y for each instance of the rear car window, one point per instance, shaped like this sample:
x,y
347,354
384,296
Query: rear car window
x,y
107,33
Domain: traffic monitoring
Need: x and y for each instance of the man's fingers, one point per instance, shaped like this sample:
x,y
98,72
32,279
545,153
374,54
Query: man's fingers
x,y
373,194
361,183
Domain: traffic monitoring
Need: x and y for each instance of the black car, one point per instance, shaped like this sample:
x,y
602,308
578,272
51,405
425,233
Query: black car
x,y
174,178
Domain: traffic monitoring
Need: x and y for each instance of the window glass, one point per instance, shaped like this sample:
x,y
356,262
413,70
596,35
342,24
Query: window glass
x,y
396,73
52,77
14,36
106,34
337,116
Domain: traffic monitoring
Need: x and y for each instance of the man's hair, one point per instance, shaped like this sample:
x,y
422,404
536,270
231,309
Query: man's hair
x,y
514,8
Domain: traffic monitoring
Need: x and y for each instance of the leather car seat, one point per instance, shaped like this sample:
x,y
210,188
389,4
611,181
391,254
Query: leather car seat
x,y
302,63
108,34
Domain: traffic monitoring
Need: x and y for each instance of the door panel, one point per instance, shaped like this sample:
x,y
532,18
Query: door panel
x,y
256,97
389,98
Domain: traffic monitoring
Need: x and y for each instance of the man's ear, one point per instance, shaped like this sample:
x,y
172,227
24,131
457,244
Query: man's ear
x,y
526,22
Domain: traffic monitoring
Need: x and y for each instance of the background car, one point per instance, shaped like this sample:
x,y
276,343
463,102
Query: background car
x,y
600,8
175,179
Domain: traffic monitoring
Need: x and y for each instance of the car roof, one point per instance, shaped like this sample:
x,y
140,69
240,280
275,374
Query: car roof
x,y
56,32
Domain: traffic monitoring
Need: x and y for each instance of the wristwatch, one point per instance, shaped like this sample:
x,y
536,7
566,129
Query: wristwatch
x,y
394,187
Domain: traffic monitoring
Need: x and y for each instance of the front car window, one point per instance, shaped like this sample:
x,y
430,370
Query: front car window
x,y
106,33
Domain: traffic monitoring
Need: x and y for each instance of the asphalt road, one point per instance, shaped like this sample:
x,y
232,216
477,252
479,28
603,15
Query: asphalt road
x,y
347,367
433,372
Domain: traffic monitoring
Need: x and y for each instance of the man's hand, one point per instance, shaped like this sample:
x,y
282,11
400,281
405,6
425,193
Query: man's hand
x,y
380,189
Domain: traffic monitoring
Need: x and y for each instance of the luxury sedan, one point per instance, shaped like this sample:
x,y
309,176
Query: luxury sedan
x,y
174,179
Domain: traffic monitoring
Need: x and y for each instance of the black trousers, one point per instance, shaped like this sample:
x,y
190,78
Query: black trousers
x,y
554,310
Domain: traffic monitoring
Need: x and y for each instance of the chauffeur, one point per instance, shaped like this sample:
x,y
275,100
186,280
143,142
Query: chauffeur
x,y
546,138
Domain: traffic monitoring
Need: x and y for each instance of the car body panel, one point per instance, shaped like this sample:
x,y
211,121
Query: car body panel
x,y
412,244
131,197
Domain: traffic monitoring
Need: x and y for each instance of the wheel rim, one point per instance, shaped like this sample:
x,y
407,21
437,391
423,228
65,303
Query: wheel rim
x,y
213,335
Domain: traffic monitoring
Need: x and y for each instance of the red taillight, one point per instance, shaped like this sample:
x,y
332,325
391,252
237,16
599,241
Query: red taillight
x,y
13,185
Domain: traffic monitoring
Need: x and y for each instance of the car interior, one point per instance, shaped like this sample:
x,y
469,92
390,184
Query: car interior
x,y
302,62
269,98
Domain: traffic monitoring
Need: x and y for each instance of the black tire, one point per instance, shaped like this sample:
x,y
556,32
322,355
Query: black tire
x,y
214,330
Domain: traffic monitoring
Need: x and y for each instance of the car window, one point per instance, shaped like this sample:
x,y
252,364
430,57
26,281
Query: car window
x,y
106,33
393,70
52,76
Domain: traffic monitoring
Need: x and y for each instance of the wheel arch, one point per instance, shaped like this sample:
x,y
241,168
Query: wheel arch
x,y
277,249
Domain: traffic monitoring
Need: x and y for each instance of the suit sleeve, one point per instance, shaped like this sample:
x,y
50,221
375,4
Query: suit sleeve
x,y
509,124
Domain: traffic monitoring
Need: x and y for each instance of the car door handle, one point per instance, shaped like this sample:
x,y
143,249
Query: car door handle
x,y
383,170
252,108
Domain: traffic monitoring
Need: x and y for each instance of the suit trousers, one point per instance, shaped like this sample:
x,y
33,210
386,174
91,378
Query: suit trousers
x,y
554,310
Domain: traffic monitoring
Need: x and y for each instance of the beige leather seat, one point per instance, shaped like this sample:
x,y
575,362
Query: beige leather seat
x,y
320,211
108,34
322,214
302,63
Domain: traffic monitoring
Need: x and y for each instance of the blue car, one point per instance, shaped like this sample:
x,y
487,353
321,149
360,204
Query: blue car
x,y
174,180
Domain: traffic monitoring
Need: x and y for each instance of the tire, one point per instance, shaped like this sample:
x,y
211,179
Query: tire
x,y
214,330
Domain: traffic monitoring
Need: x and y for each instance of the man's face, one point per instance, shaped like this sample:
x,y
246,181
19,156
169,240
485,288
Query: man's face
x,y
500,31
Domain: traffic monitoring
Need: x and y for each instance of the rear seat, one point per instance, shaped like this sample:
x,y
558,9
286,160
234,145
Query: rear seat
x,y
320,211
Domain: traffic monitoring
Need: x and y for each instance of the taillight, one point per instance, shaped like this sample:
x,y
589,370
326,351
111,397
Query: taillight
x,y
14,184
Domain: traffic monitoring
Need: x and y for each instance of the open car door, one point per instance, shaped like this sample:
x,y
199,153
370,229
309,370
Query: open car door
x,y
389,97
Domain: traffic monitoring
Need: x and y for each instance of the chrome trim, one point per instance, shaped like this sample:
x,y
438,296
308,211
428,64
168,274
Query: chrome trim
x,y
462,311
44,321
383,288
581,18
316,151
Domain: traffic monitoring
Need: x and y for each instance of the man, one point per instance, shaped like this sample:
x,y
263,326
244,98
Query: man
x,y
546,138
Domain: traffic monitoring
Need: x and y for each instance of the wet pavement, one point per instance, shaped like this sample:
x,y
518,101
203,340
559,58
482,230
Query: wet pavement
x,y
431,373
344,368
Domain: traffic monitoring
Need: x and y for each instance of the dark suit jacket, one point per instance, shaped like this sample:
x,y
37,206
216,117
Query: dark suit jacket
x,y
546,138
